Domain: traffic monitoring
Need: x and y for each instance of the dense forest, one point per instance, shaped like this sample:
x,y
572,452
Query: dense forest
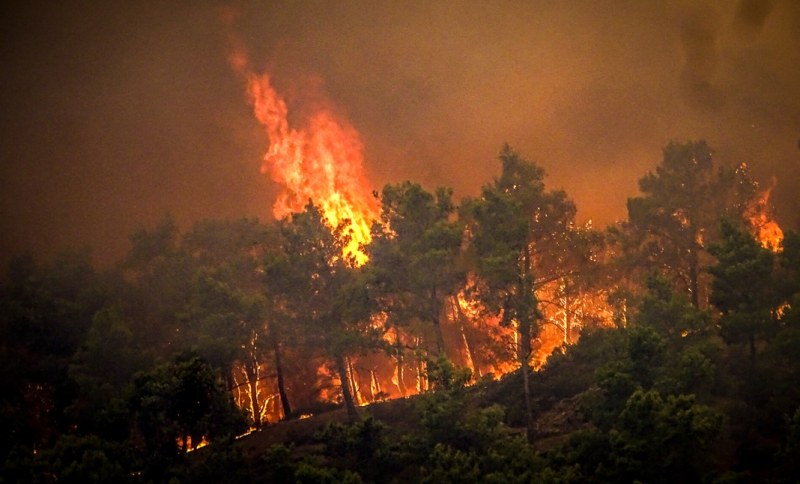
x,y
491,340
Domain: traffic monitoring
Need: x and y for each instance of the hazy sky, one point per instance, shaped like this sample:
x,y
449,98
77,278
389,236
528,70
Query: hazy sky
x,y
115,113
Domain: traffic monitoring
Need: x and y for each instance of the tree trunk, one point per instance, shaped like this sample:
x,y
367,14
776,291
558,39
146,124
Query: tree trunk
x,y
355,387
527,313
374,386
437,327
251,370
435,317
523,354
694,270
341,368
567,321
287,409
422,379
401,383
461,317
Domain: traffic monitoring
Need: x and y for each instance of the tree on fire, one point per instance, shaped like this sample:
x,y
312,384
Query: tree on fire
x,y
671,224
413,259
517,228
97,383
225,318
328,299
742,288
202,291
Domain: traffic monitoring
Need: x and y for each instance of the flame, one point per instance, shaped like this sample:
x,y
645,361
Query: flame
x,y
496,361
765,228
189,445
322,161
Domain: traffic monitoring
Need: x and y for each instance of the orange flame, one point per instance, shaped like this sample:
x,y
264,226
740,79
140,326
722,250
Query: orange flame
x,y
322,161
764,226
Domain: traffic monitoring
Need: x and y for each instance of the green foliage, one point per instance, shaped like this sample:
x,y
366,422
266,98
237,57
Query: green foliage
x,y
179,401
788,279
742,274
742,288
224,462
102,369
148,246
445,376
653,355
481,449
694,372
505,225
414,255
311,471
571,370
518,232
76,459
663,398
277,464
45,314
670,312
646,354
615,385
671,223
442,411
655,438
651,439
451,465
362,439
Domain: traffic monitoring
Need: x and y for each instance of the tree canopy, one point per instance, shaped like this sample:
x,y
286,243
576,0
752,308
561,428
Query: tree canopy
x,y
662,348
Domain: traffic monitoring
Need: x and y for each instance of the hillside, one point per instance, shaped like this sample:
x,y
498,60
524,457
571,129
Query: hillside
x,y
621,405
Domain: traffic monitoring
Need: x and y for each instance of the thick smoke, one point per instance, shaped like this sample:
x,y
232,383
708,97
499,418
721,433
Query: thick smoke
x,y
115,114
699,38
751,15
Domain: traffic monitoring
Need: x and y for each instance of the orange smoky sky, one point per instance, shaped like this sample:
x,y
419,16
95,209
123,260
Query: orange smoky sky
x,y
116,113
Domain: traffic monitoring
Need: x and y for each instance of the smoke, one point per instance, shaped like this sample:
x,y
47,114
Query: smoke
x,y
116,114
699,38
751,15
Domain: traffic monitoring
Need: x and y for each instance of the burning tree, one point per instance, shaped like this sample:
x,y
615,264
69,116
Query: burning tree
x,y
414,260
743,288
226,314
760,217
671,224
326,300
517,229
321,160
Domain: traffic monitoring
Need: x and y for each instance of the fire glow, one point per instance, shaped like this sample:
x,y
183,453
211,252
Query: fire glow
x,y
321,162
765,228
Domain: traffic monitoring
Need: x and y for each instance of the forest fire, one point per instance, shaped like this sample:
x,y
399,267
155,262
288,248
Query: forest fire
x,y
765,228
286,242
322,161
